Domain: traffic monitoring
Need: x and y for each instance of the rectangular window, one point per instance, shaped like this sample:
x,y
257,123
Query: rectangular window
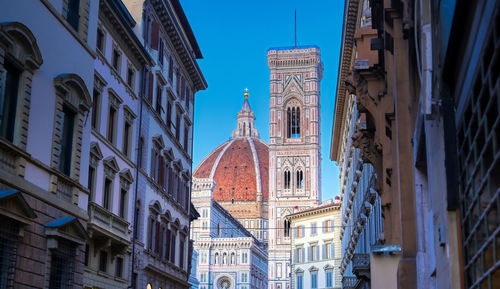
x,y
9,88
119,267
62,265
110,135
66,140
126,138
116,59
123,203
329,278
178,88
299,282
9,239
178,126
314,280
170,69
313,229
103,261
100,40
244,258
169,114
160,52
130,77
87,255
181,252
96,109
106,202
91,183
73,13
188,96
172,247
158,99
186,136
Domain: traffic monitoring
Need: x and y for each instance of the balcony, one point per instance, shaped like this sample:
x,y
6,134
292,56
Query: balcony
x,y
349,282
107,229
361,266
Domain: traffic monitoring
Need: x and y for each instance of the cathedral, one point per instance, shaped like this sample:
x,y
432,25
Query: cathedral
x,y
248,187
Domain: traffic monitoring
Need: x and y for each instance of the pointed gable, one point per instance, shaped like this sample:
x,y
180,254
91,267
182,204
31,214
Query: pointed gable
x,y
68,228
13,205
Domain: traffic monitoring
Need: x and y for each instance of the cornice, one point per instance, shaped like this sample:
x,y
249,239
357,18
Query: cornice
x,y
347,42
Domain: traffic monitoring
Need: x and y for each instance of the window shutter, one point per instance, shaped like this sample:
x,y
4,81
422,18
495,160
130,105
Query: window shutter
x,y
158,237
324,226
317,253
150,86
324,251
332,250
331,225
150,234
167,246
155,35
303,231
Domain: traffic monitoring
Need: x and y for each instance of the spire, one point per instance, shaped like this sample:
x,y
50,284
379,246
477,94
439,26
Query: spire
x,y
245,120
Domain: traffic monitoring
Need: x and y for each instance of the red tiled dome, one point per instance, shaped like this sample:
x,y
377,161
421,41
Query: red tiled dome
x,y
240,168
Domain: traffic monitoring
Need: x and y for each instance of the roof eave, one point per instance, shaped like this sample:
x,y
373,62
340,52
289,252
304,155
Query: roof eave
x,y
350,17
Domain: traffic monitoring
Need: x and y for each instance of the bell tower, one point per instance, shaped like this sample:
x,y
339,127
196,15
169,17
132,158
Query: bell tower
x,y
294,147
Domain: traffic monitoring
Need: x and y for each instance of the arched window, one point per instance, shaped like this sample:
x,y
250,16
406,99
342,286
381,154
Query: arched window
x,y
286,228
293,122
286,181
299,179
216,258
233,258
224,258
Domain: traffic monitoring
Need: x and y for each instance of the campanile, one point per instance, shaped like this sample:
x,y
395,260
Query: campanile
x,y
294,147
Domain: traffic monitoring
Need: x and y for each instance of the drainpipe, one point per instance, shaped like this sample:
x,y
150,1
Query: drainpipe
x,y
138,160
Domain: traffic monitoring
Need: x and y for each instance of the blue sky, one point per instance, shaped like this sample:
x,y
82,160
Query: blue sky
x,y
234,37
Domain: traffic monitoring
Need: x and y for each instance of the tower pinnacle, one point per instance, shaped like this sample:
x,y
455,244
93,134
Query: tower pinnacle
x,y
245,120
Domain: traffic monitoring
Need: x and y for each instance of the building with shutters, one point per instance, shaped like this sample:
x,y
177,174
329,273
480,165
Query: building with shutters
x,y
47,51
229,256
161,250
316,248
113,147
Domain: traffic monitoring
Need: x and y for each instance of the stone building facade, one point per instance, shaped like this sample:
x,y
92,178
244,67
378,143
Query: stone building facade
x,y
45,84
361,213
113,147
316,247
424,78
295,145
161,250
229,255
240,169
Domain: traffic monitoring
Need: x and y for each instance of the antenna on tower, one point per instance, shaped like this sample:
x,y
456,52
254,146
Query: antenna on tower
x,y
295,27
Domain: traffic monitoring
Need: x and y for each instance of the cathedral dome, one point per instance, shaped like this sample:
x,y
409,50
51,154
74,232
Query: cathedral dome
x,y
239,166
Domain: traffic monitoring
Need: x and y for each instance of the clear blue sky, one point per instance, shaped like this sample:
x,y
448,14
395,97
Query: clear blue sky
x,y
234,37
